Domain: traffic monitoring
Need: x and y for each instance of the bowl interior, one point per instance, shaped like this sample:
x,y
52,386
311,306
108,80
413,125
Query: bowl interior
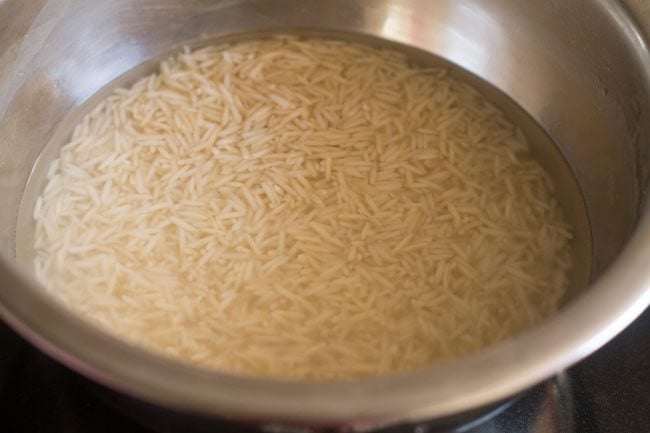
x,y
549,154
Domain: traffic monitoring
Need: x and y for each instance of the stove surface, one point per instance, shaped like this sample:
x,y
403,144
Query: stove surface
x,y
609,392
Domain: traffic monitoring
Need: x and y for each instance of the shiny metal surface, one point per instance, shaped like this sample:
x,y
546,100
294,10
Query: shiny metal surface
x,y
547,408
580,68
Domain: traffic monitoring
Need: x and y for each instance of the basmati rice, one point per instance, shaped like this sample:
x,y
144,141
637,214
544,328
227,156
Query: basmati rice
x,y
302,208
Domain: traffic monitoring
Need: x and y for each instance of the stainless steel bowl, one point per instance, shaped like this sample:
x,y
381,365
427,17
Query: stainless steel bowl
x,y
581,69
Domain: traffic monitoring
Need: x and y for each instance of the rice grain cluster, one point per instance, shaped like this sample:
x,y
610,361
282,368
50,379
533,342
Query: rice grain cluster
x,y
302,208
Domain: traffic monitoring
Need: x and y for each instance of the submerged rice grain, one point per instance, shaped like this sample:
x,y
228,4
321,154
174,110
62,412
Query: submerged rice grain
x,y
304,209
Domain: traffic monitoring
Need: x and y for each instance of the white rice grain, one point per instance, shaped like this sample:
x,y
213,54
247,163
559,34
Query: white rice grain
x,y
301,208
